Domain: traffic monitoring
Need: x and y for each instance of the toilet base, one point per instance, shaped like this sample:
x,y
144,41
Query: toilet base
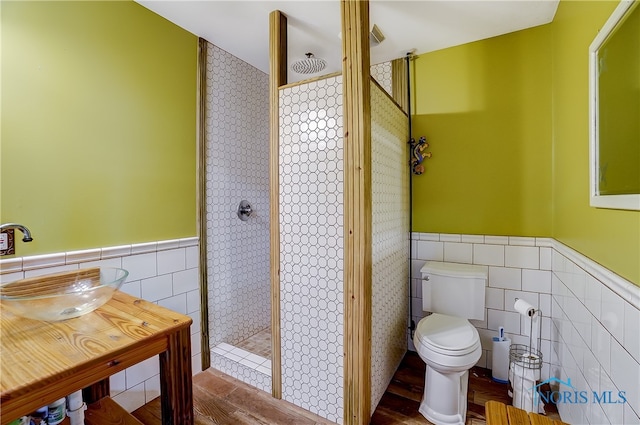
x,y
444,401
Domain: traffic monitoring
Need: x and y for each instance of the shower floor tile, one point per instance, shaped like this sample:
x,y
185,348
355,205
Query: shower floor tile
x,y
259,344
244,357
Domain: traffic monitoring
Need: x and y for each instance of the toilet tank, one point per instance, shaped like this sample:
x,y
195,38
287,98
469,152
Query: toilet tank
x,y
454,289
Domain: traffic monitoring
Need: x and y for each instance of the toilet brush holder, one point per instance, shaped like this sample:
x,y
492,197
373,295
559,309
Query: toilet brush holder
x,y
500,360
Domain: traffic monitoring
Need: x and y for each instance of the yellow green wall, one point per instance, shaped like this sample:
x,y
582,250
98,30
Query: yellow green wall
x,y
98,131
610,237
508,123
485,108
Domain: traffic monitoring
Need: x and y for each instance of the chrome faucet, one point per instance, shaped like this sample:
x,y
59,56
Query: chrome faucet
x,y
27,234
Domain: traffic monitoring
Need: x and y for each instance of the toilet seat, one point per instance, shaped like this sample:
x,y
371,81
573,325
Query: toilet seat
x,y
447,335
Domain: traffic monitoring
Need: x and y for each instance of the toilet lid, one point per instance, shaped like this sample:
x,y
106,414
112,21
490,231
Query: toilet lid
x,y
447,334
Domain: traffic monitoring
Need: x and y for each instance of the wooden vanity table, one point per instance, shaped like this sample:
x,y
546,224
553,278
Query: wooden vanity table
x,y
41,362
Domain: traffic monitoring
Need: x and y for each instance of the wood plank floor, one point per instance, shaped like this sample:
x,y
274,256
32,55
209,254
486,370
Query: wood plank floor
x,y
399,404
220,400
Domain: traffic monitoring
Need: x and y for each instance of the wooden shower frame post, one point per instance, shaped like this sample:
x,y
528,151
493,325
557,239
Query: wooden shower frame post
x,y
201,200
357,211
277,78
399,83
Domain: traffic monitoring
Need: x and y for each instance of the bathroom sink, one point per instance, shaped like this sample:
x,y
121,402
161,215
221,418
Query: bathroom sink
x,y
62,296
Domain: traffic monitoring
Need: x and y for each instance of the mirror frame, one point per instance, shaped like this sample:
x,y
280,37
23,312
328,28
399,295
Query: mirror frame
x,y
624,202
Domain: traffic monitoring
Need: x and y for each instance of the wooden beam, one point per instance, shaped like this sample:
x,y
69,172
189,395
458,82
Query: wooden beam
x,y
205,357
357,211
277,78
399,83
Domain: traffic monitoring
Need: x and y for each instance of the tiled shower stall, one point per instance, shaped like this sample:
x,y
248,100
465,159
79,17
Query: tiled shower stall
x,y
311,225
237,168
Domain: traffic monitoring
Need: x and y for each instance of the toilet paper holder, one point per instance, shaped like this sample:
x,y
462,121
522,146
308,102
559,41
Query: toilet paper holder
x,y
525,362
529,311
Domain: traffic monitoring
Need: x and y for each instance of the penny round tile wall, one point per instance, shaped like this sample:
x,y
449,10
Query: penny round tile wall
x,y
237,160
390,239
311,246
383,75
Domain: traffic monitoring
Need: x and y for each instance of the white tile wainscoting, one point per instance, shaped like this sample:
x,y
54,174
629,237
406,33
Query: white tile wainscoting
x,y
164,272
591,316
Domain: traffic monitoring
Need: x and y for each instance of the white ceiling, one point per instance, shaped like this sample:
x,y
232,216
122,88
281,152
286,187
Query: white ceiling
x,y
241,27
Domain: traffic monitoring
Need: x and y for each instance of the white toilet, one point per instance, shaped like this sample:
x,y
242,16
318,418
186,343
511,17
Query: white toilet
x,y
445,340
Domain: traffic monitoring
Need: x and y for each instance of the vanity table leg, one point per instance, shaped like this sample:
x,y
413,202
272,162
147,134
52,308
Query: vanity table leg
x,y
96,391
176,394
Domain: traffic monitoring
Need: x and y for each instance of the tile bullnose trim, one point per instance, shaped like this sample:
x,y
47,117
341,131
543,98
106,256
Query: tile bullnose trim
x,y
621,286
34,262
144,248
450,237
43,261
167,245
477,239
74,257
10,265
433,237
522,241
116,251
545,242
185,242
496,240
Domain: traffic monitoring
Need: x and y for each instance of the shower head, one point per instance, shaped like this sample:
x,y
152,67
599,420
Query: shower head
x,y
309,65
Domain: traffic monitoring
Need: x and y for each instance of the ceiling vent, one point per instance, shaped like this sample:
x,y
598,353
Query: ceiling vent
x,y
375,36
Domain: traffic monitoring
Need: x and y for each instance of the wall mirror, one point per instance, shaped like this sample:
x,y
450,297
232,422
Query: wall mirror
x,y
614,103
